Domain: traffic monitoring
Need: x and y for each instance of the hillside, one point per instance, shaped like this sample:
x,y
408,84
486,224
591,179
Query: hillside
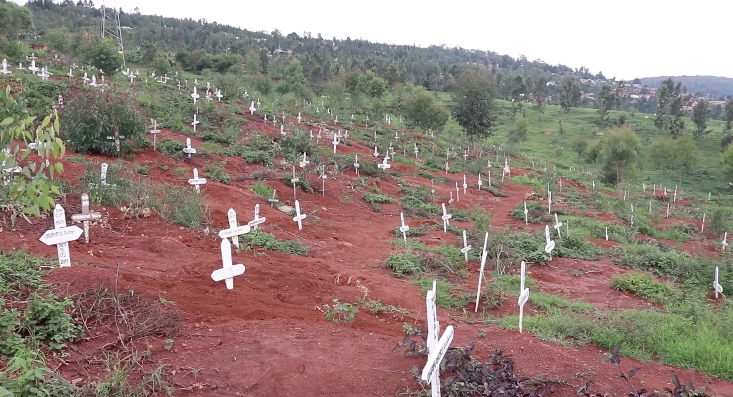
x,y
712,85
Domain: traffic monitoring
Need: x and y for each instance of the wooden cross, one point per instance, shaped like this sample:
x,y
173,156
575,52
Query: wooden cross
x,y
257,220
116,138
60,236
188,149
298,216
155,131
196,181
228,271
86,216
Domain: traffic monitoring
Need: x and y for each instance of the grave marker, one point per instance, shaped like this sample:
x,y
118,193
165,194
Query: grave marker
x,y
466,246
304,162
458,198
724,243
257,220
294,180
702,225
385,165
298,216
273,200
194,123
550,245
465,185
252,109
356,163
116,138
479,181
155,131
434,345
86,216
446,219
606,233
716,286
60,236
403,228
228,271
195,95
188,149
549,202
5,70
525,213
196,181
416,150
299,118
323,179
523,295
557,226
376,153
335,142
103,179
484,255
232,217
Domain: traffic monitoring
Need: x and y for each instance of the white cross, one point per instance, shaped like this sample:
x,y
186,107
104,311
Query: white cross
x,y
376,153
606,233
465,185
298,216
446,219
549,202
466,246
403,228
86,215
480,182
196,181
446,166
724,243
385,165
252,109
335,143
257,220
550,244
116,138
304,162
294,180
273,200
458,198
523,295
525,213
5,70
195,95
234,230
188,149
437,349
194,123
219,95
416,150
155,131
228,271
557,226
702,225
103,179
484,255
60,236
716,286
356,163
299,118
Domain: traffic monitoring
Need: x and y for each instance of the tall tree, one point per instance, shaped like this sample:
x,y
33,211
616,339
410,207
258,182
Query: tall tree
x,y
728,114
474,107
670,102
540,95
607,100
700,116
422,110
264,60
618,152
570,93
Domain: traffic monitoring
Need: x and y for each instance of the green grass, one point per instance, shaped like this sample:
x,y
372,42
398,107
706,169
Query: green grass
x,y
674,339
376,199
268,241
643,285
447,296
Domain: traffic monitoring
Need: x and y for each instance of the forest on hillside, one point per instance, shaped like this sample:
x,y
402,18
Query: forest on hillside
x,y
719,87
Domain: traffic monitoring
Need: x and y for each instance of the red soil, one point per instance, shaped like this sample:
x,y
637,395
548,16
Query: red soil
x,y
268,336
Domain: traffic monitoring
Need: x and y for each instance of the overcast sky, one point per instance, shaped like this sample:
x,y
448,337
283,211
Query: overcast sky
x,y
622,38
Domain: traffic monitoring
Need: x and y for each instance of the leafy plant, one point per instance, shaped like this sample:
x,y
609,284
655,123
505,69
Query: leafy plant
x,y
215,171
91,117
376,199
340,312
31,190
268,241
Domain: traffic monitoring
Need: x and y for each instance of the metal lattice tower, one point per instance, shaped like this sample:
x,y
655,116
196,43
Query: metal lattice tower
x,y
111,26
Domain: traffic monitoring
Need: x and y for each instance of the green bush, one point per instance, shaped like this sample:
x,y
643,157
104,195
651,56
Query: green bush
x,y
171,148
643,285
215,172
403,264
91,116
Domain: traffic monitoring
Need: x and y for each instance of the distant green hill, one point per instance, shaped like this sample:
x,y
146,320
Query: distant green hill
x,y
712,85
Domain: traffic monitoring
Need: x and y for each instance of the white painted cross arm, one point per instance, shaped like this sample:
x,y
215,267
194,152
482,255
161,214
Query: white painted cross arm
x,y
228,271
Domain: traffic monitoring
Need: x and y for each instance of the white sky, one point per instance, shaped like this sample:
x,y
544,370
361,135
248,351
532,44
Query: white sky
x,y
622,38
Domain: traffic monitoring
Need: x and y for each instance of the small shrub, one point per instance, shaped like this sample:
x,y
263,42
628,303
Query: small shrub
x,y
215,171
268,241
340,312
90,117
376,199
403,264
171,148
